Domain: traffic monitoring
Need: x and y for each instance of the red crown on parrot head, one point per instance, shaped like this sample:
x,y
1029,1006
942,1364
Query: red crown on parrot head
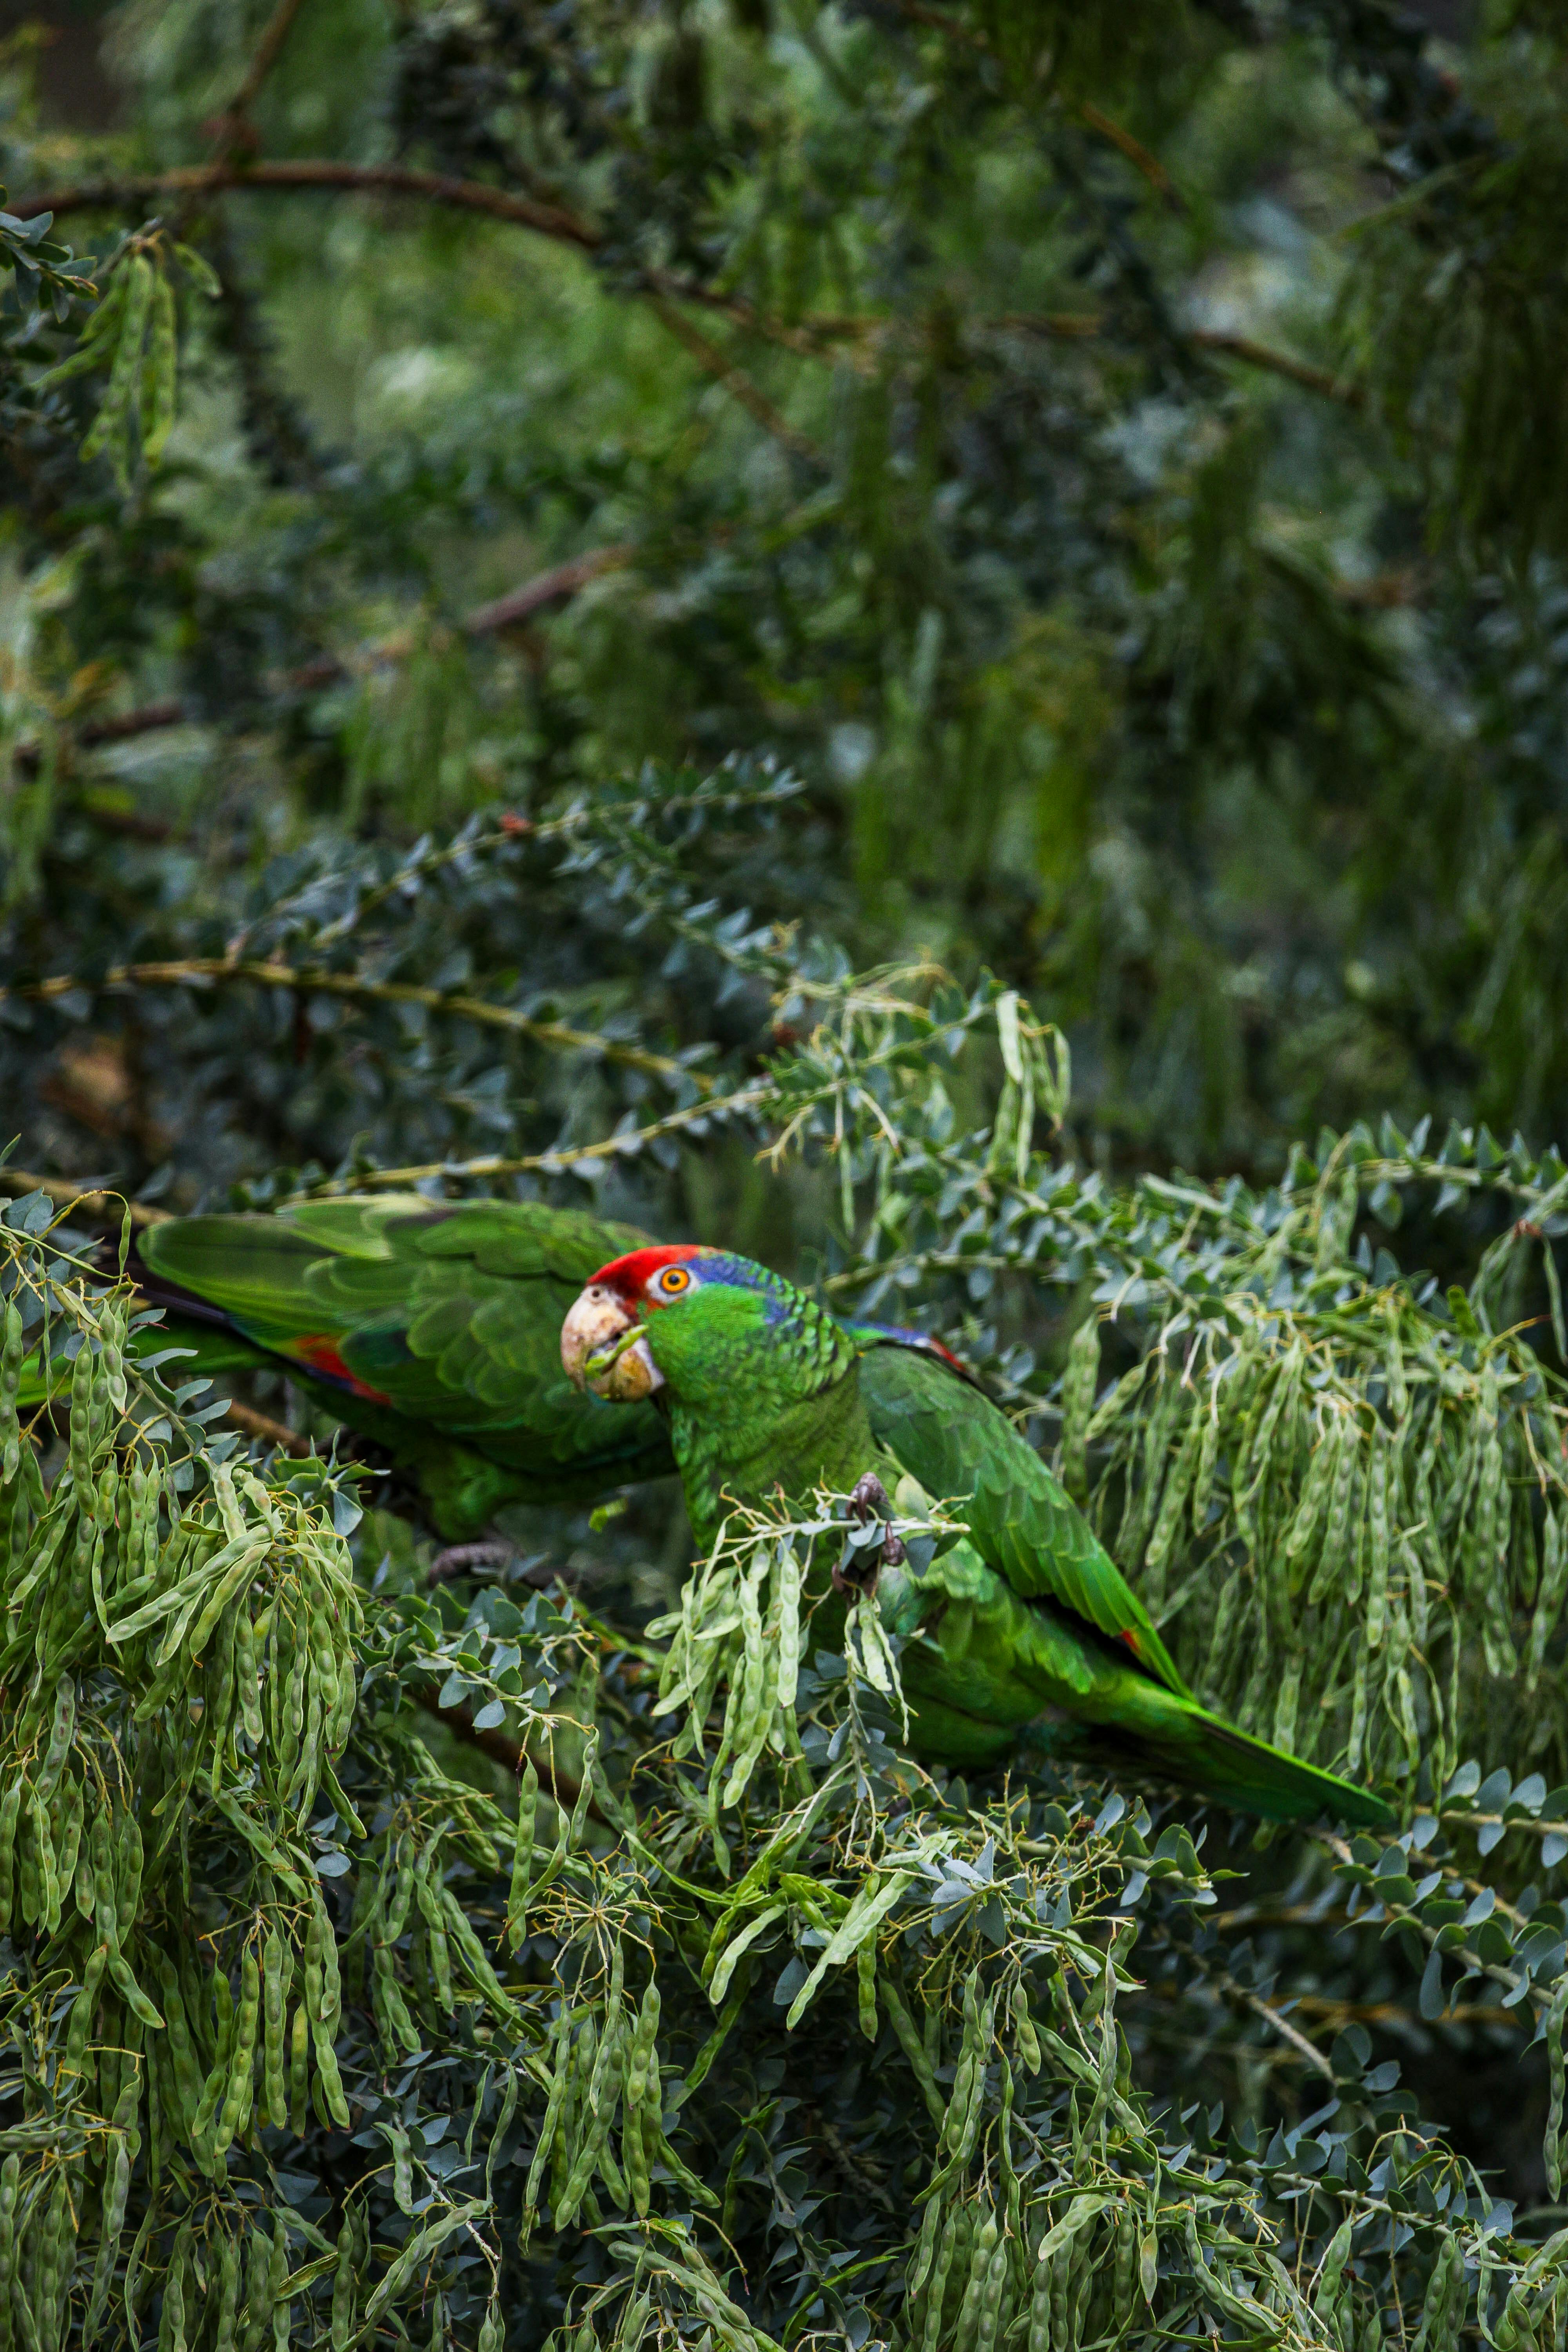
x,y
629,1276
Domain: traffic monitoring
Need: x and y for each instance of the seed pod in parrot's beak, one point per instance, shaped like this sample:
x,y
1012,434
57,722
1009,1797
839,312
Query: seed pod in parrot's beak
x,y
602,1348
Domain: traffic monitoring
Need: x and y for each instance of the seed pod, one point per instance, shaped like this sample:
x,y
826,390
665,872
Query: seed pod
x,y
866,1980
1378,1542
234,2114
105,1911
1335,1561
275,2086
1028,2041
12,1348
127,1862
48,1898
1080,1380
1548,1594
83,2009
215,2089
61,1732
71,1800
1124,2262
435,1934
227,2297
1172,1504
476,1960
128,2101
1284,1732
967,2328
554,2102
947,2246
299,2072
10,1813
116,2194
398,2030
993,2298
331,2009
1553,2137
246,1677
282,2308
56,2257
522,1857
402,1893
10,2181
186,2075
343,2288
257,2292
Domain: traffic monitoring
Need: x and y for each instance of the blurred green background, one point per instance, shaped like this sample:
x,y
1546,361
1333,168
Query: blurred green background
x,y
1113,458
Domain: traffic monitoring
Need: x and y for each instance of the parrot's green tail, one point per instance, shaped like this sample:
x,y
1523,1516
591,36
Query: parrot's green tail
x,y
1175,1740
1235,1769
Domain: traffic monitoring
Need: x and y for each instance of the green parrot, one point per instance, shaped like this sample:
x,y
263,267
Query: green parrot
x,y
432,1329
1024,1620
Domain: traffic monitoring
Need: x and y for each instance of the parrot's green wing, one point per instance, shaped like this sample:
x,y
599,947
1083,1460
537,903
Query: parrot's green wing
x,y
958,1446
419,1318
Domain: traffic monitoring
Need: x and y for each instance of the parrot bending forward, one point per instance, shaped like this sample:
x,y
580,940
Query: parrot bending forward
x,y
431,1328
1027,1617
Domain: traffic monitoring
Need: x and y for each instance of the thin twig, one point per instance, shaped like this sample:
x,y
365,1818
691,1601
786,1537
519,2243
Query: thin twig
x,y
308,174
736,381
810,337
355,988
268,50
741,1103
1260,355
556,587
1089,115
170,711
501,1750
273,1433
96,1201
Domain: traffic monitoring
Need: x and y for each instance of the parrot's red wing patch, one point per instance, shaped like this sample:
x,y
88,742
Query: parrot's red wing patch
x,y
319,1351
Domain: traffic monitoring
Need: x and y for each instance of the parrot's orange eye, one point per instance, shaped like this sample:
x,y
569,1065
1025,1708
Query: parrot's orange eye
x,y
674,1280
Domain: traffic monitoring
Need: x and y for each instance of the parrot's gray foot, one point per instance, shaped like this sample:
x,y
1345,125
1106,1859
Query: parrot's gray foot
x,y
857,1571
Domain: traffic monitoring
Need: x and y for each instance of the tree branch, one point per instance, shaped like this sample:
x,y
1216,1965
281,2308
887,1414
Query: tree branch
x,y
807,336
309,174
268,50
355,988
742,1104
556,587
736,381
1260,355
95,1201
501,1750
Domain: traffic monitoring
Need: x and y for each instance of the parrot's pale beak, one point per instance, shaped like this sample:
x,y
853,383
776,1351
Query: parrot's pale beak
x,y
604,1347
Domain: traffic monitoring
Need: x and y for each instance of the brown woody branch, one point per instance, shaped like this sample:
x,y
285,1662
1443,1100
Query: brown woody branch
x,y
321,172
736,381
808,337
518,605
556,587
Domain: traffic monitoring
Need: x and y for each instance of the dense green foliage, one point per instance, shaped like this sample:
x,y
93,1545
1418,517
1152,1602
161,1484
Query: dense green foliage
x,y
527,635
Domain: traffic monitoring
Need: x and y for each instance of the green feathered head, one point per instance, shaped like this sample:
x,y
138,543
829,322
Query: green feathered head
x,y
712,1329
